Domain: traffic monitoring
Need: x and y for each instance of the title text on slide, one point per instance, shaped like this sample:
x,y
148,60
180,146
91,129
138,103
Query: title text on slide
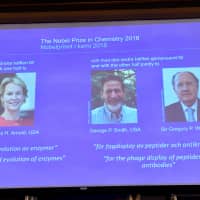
x,y
85,42
126,38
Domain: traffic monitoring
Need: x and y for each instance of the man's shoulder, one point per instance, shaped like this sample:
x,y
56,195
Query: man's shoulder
x,y
172,106
129,114
174,113
129,109
98,115
98,110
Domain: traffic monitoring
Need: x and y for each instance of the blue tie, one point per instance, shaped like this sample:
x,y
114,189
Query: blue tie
x,y
190,113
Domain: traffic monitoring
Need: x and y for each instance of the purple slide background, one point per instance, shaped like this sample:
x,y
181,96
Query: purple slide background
x,y
63,92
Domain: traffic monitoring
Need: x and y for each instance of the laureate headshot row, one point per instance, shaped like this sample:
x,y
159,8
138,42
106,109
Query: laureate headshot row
x,y
115,109
113,102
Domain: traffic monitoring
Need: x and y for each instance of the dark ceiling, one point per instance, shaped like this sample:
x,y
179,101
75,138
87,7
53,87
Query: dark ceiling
x,y
53,5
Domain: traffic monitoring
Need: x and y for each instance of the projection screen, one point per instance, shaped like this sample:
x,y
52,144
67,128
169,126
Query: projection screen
x,y
100,104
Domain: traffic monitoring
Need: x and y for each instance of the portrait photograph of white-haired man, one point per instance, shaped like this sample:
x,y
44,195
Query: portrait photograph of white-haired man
x,y
185,86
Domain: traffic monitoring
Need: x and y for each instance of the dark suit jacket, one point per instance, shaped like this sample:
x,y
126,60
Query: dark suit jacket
x,y
175,113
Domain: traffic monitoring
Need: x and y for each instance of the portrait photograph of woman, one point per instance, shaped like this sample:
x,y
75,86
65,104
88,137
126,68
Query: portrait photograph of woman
x,y
17,92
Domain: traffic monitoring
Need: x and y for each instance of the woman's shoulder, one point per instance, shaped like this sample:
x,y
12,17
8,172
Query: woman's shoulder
x,y
19,122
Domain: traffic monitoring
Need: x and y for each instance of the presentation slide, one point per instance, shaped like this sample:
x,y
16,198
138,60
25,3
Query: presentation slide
x,y
100,104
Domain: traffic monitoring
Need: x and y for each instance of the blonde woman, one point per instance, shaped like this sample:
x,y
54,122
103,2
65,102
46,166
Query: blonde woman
x,y
13,94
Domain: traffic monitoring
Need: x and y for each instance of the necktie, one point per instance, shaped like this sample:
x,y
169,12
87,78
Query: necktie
x,y
190,113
